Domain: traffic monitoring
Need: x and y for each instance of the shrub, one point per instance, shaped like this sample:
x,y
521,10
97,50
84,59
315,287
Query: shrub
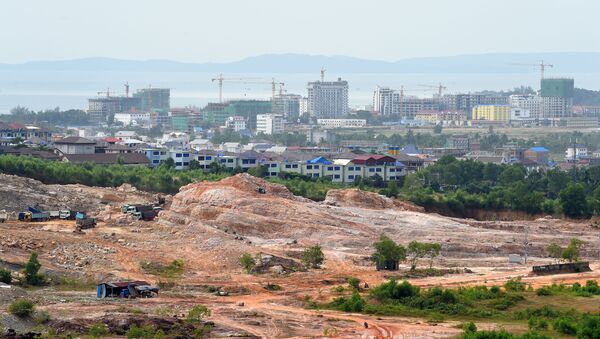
x,y
544,291
41,317
589,327
5,276
353,304
354,283
144,332
247,262
537,323
435,318
22,308
393,290
98,330
565,325
197,313
469,327
313,256
515,285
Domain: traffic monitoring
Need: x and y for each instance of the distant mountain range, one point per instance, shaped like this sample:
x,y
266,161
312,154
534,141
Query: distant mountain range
x,y
564,63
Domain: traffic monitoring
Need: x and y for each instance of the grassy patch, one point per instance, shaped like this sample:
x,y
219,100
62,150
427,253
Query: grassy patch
x,y
173,270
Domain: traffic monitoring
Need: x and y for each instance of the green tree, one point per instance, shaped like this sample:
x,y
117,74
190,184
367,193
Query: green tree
x,y
437,129
313,256
247,262
573,201
571,252
32,277
416,251
260,171
554,251
386,250
432,250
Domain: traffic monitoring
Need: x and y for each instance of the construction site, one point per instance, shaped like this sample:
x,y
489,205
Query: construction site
x,y
191,252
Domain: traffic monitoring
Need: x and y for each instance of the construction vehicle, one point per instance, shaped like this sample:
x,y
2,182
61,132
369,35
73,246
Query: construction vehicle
x,y
54,214
84,222
33,215
67,215
3,216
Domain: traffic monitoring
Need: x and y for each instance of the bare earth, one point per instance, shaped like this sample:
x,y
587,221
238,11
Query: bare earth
x,y
209,226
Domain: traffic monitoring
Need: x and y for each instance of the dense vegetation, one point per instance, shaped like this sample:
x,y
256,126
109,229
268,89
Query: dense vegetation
x,y
508,303
53,117
456,185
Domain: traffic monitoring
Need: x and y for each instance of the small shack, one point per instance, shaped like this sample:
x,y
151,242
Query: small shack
x,y
387,265
125,289
576,267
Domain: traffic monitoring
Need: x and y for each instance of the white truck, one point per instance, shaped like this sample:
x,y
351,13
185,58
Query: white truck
x,y
3,216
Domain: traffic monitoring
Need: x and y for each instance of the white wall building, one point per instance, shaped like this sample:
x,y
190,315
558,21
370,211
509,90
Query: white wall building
x,y
342,123
386,101
269,124
527,102
136,119
237,123
576,152
328,99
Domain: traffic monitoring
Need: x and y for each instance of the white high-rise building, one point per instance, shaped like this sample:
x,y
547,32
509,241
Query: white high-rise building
x,y
328,99
386,101
269,124
287,105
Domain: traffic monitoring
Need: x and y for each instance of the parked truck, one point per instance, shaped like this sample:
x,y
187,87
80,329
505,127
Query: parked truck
x,y
82,221
67,215
33,214
141,212
54,214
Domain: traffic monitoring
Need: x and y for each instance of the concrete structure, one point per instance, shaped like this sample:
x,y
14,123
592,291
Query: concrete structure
x,y
28,134
133,118
491,112
466,102
557,97
287,105
538,154
576,152
342,123
269,124
237,123
459,141
527,102
328,99
446,118
75,145
154,99
386,101
102,108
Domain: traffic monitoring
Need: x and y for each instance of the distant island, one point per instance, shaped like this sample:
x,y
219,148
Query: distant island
x,y
564,63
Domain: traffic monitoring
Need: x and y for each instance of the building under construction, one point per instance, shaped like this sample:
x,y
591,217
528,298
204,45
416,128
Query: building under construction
x,y
154,99
102,108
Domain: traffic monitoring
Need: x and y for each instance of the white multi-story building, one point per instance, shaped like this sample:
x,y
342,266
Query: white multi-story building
x,y
138,119
328,99
237,123
303,106
342,123
386,101
527,102
269,123
576,152
556,107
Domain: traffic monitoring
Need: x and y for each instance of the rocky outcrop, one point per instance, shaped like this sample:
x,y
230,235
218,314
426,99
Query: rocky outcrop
x,y
363,199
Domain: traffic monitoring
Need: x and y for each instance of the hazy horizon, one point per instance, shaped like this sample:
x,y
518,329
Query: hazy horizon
x,y
226,31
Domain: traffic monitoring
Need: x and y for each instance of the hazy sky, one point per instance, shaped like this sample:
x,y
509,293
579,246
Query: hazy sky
x,y
227,30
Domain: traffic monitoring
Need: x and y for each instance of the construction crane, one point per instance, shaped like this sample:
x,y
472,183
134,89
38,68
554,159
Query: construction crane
x,y
323,73
126,89
440,88
542,66
221,79
107,92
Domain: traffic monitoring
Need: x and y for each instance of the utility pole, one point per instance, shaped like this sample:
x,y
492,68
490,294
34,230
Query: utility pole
x,y
526,244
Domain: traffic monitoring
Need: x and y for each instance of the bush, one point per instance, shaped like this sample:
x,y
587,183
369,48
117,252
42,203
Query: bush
x,y
135,332
197,313
544,291
393,290
515,285
354,283
98,330
565,326
313,256
470,327
537,324
247,262
589,327
5,276
41,317
21,308
353,304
